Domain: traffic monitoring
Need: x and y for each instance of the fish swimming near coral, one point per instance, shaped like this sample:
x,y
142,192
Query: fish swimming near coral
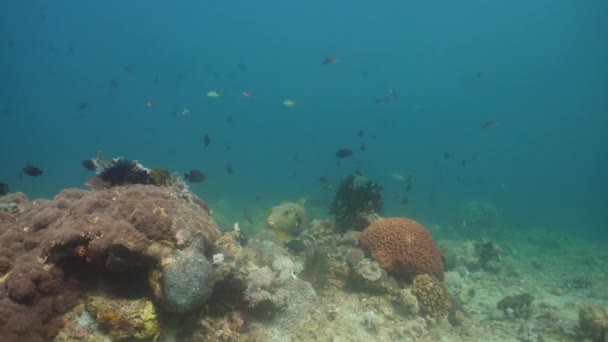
x,y
390,96
344,153
409,183
89,164
289,103
330,60
32,170
489,124
287,219
96,183
206,140
195,176
4,189
229,169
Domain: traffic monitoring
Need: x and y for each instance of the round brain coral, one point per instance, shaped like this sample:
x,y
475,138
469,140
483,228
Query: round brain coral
x,y
404,247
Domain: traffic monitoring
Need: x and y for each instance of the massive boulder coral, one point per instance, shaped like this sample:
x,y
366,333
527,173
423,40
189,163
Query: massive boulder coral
x,y
403,246
52,250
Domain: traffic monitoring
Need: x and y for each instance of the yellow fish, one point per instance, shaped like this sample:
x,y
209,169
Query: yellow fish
x,y
288,103
213,94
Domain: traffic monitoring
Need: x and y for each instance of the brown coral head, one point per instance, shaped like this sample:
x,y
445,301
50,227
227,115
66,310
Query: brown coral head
x,y
432,296
403,247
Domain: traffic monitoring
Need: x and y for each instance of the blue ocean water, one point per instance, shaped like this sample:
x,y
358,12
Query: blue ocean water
x,y
539,69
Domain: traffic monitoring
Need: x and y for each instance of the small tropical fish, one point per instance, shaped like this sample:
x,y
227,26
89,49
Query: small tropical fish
x,y
3,189
206,140
409,183
344,153
398,177
247,215
489,124
32,170
96,183
195,176
213,94
330,60
390,96
289,103
89,164
229,169
149,104
247,93
186,112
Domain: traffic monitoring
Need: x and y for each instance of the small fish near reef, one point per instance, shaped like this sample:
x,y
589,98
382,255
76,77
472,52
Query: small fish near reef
x,y
195,176
390,96
287,219
89,164
32,170
213,94
330,60
289,103
4,189
489,124
344,153
229,169
206,140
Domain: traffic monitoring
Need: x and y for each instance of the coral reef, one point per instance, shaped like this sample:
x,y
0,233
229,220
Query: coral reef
x,y
125,318
518,306
593,322
287,219
52,250
356,203
433,298
404,247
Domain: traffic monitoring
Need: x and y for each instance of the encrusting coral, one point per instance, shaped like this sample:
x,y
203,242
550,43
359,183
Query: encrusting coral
x,y
125,318
50,247
403,246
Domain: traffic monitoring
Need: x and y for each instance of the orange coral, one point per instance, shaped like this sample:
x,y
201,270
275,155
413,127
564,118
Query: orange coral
x,y
403,246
